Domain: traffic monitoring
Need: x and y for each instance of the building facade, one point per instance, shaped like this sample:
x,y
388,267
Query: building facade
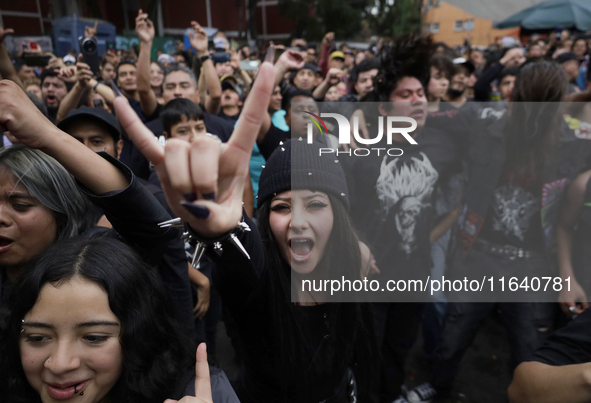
x,y
452,25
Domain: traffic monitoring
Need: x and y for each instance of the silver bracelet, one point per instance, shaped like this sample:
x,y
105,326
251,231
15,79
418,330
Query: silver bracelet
x,y
201,244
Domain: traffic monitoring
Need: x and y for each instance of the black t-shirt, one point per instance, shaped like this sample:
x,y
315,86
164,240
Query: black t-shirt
x,y
140,166
137,107
232,119
392,200
569,345
514,216
272,140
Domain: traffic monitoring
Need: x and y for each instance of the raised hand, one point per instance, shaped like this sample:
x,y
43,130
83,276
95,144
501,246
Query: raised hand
x,y
198,39
21,118
234,60
290,60
513,57
66,72
204,181
83,73
90,32
202,380
328,38
4,32
144,27
334,76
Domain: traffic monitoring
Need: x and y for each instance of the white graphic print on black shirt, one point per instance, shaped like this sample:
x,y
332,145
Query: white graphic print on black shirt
x,y
513,210
406,189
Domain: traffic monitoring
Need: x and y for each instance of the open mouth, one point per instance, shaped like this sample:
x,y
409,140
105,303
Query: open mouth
x,y
417,114
65,391
301,249
51,99
5,243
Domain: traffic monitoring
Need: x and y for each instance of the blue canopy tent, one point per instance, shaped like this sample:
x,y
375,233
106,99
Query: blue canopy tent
x,y
551,14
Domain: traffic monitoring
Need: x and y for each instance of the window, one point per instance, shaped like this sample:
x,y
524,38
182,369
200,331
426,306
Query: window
x,y
468,25
458,26
426,28
434,28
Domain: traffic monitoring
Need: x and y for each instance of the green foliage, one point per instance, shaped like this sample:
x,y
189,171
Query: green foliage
x,y
314,18
391,18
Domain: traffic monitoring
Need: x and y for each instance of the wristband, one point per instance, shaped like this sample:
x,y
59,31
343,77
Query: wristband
x,y
96,85
201,244
203,59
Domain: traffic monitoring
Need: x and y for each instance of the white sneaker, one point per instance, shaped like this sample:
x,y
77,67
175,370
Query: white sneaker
x,y
400,399
424,393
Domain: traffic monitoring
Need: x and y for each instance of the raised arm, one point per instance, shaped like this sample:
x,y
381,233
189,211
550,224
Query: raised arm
x,y
333,77
211,174
288,61
213,87
146,32
7,70
25,122
102,89
71,100
325,52
569,215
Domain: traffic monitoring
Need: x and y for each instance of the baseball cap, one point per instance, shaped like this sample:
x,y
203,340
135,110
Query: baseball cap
x,y
337,54
165,58
69,60
95,115
220,43
230,82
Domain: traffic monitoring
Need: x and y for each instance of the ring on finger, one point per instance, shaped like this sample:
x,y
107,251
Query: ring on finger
x,y
215,137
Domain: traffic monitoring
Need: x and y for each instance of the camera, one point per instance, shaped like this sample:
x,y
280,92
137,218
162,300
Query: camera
x,y
90,56
89,45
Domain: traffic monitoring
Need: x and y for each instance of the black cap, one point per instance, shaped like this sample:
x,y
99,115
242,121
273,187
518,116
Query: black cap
x,y
295,164
95,115
227,85
565,57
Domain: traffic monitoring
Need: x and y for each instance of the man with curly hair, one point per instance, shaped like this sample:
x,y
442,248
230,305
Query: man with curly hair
x,y
392,194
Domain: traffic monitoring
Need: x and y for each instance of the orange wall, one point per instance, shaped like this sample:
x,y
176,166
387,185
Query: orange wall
x,y
446,15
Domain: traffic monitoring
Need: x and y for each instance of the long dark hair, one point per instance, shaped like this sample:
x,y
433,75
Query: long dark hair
x,y
533,130
155,352
53,186
350,329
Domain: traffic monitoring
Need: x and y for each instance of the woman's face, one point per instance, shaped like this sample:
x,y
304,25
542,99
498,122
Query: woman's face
x,y
27,227
332,94
156,75
70,341
301,222
276,98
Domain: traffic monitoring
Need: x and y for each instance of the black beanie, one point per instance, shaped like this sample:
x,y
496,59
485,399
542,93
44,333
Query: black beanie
x,y
298,165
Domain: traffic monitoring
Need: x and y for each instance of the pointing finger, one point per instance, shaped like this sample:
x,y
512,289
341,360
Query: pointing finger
x,y
139,134
255,107
202,381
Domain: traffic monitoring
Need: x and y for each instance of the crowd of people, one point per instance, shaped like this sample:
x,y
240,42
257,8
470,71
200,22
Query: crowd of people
x,y
142,204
